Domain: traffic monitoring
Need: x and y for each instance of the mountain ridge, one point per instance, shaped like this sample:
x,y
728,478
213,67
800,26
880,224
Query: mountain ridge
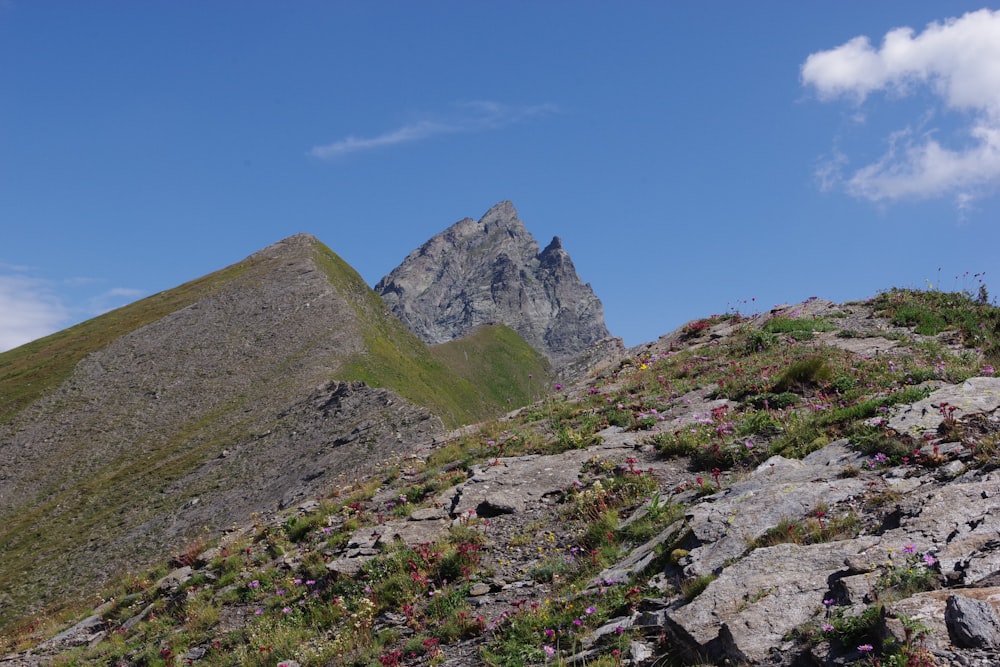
x,y
492,270
246,389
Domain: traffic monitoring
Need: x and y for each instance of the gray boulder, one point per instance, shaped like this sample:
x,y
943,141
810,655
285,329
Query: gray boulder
x,y
975,395
511,485
755,603
972,623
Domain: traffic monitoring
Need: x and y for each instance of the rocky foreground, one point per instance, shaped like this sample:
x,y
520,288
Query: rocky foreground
x,y
817,485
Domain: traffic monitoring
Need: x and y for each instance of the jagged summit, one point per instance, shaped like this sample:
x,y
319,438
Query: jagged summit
x,y
475,273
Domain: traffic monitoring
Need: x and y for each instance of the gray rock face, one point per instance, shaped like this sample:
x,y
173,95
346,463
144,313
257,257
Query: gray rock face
x,y
515,483
976,395
972,623
779,489
491,271
747,611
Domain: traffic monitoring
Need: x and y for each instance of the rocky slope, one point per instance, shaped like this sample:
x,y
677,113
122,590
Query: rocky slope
x,y
492,271
814,485
250,389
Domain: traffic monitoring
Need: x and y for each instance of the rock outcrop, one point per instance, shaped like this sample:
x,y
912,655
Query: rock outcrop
x,y
492,271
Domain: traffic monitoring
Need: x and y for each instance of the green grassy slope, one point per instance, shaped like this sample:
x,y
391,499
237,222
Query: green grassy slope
x,y
499,363
441,379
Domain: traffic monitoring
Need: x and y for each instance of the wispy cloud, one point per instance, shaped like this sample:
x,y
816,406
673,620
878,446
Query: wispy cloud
x,y
958,62
32,307
477,116
29,309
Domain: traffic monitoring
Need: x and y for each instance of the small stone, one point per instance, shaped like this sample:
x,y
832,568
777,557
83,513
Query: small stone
x,y
856,565
175,578
639,652
951,470
478,589
308,507
197,653
427,514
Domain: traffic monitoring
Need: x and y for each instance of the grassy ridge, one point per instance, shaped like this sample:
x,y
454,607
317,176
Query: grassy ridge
x,y
442,379
89,508
29,371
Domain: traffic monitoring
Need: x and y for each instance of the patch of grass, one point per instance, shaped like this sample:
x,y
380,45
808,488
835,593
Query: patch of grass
x,y
853,631
500,364
773,401
692,588
757,340
815,528
931,312
812,372
782,324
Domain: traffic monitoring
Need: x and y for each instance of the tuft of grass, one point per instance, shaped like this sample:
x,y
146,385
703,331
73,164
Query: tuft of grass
x,y
692,588
931,312
800,376
782,324
815,528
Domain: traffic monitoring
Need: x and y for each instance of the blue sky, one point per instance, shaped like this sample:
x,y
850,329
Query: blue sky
x,y
694,157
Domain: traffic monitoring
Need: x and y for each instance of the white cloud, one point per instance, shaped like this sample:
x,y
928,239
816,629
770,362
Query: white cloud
x,y
958,61
402,135
474,116
31,307
28,310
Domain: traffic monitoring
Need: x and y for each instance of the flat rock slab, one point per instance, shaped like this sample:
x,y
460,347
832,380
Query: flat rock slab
x,y
368,541
864,347
778,489
410,533
81,634
974,396
756,602
638,559
516,483
960,523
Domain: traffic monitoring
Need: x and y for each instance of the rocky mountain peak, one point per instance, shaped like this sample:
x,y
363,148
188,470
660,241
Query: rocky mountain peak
x,y
490,271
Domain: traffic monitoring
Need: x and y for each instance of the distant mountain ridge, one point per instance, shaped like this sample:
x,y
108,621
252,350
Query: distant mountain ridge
x,y
127,436
491,271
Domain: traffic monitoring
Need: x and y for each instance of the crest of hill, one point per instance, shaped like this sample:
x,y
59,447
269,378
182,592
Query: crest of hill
x,y
491,271
244,390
